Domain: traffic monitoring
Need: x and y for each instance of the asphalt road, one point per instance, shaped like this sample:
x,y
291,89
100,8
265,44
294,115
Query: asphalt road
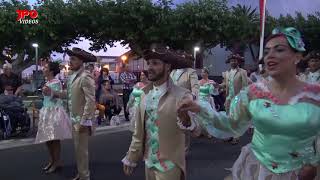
x,y
207,160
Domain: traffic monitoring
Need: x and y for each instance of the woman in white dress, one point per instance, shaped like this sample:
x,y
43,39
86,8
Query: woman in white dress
x,y
54,124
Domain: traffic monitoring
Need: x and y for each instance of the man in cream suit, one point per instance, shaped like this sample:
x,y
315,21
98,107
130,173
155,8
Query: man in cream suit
x,y
234,80
188,79
81,106
313,74
159,135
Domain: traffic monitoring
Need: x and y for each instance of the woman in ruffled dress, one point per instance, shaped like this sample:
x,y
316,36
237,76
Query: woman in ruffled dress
x,y
207,88
135,97
285,112
54,124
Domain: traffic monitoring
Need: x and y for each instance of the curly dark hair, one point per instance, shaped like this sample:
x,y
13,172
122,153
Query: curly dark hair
x,y
54,67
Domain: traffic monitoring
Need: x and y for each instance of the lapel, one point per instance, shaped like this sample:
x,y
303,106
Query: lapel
x,y
235,74
318,78
73,83
146,90
178,73
169,88
78,74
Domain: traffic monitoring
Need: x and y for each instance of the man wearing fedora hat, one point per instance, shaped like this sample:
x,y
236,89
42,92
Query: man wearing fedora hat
x,y
234,80
81,106
159,137
313,73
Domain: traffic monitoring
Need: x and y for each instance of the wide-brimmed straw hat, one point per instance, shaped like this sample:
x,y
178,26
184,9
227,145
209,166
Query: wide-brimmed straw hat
x,y
235,56
177,59
82,54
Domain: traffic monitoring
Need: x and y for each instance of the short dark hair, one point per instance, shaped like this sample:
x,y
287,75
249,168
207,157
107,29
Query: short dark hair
x,y
105,81
145,72
54,67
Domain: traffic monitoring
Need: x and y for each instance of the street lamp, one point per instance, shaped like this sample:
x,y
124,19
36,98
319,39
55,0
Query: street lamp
x,y
195,50
124,58
36,45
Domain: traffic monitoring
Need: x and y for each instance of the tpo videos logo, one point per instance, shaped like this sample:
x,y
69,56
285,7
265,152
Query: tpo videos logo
x,y
27,16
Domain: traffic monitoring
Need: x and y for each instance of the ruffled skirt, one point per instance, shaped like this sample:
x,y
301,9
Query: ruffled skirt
x,y
54,124
207,101
247,167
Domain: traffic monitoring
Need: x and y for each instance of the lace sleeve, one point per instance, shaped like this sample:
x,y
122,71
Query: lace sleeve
x,y
223,125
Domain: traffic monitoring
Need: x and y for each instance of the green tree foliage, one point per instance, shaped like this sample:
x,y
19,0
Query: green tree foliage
x,y
138,23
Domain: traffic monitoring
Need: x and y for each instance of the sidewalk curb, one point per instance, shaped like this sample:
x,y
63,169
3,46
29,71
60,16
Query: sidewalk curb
x,y
112,129
13,143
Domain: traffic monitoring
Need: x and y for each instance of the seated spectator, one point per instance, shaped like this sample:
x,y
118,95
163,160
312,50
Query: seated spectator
x,y
108,102
8,77
8,90
104,75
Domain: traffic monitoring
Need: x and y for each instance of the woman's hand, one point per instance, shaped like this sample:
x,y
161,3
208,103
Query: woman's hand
x,y
308,172
227,104
46,90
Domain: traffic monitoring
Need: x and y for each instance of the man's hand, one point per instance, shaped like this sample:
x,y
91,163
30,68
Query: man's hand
x,y
84,129
128,170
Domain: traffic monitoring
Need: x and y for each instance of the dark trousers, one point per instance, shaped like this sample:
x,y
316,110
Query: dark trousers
x,y
112,111
125,98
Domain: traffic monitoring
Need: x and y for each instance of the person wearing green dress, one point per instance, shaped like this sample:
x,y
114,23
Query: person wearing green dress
x,y
54,124
135,97
285,112
207,88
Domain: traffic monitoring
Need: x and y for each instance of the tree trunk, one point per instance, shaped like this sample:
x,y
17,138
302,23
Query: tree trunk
x,y
252,53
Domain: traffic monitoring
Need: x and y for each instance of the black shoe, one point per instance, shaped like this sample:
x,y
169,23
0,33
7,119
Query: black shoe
x,y
53,169
45,168
76,178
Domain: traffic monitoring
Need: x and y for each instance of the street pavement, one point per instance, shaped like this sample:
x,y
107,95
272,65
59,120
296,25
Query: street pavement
x,y
207,160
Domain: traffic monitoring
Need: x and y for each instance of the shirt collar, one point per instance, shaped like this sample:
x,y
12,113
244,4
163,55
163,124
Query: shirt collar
x,y
316,72
160,88
234,70
77,72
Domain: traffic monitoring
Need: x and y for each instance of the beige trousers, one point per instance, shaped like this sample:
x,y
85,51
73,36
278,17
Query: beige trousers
x,y
173,174
81,151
